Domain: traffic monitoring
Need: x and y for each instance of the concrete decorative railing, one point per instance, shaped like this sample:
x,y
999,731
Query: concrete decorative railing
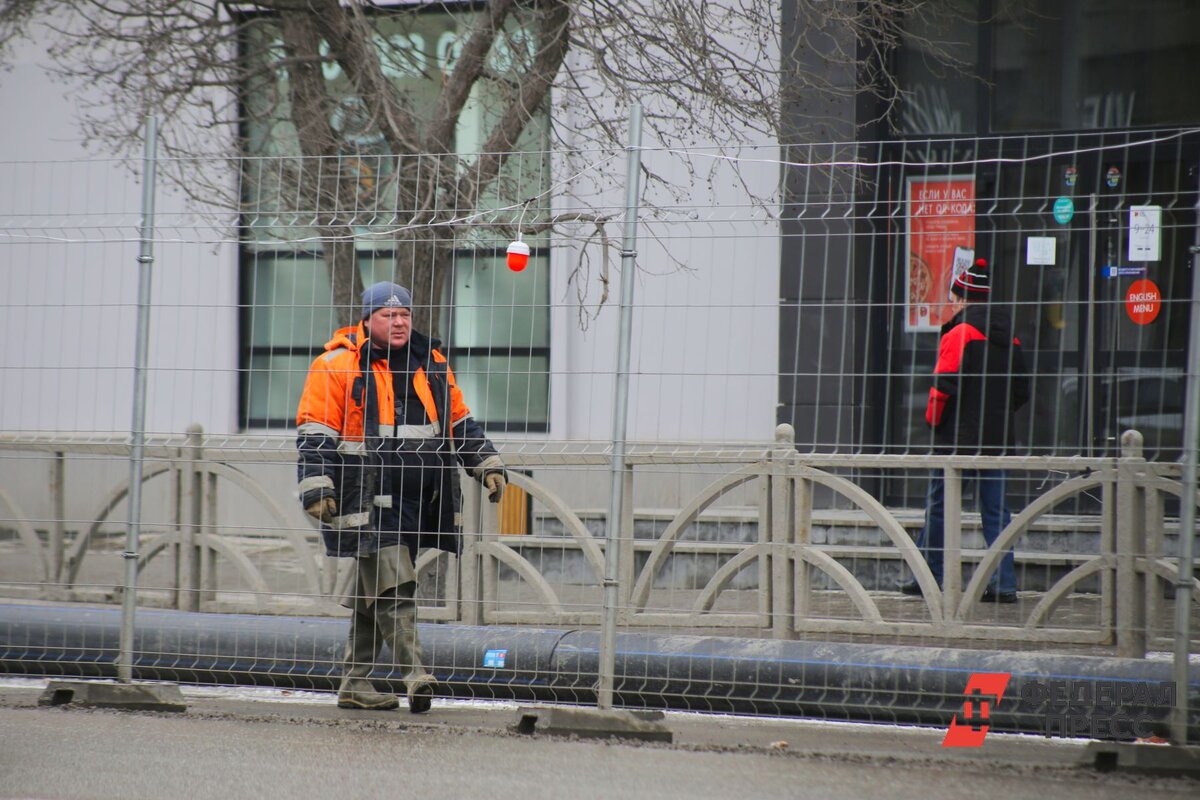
x,y
787,581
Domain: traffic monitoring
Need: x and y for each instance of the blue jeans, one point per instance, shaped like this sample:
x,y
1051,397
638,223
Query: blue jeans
x,y
993,508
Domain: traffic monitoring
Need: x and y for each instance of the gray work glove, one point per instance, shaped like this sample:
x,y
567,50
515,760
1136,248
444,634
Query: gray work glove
x,y
323,510
494,482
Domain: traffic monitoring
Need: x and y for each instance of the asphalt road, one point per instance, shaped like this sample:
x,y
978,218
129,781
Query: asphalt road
x,y
239,743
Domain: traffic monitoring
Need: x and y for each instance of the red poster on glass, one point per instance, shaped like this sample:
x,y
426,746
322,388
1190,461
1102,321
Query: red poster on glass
x,y
941,233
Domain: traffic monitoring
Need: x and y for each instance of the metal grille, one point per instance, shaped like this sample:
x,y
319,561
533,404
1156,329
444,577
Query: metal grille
x,y
784,335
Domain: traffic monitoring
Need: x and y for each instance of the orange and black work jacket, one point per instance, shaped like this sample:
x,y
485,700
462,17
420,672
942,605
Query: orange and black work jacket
x,y
387,452
979,382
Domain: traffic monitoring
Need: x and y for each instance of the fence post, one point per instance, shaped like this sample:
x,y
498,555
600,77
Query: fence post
x,y
782,520
625,568
177,483
58,504
193,511
952,543
1155,514
138,433
1130,546
208,521
1187,512
612,547
470,562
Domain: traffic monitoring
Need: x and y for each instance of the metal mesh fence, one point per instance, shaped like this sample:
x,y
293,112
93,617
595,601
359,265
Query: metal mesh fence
x,y
786,332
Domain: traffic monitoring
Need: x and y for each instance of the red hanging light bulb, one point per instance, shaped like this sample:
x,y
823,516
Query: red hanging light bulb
x,y
518,255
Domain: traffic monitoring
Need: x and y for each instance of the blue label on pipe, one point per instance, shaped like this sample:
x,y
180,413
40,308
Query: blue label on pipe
x,y
494,658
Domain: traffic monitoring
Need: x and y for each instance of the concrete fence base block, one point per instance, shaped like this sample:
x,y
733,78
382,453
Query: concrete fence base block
x,y
1153,759
134,697
591,723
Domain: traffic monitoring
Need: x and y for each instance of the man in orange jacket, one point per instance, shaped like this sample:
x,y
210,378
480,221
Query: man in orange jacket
x,y
382,429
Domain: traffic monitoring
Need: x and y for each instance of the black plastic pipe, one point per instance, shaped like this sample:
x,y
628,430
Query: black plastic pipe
x,y
1049,694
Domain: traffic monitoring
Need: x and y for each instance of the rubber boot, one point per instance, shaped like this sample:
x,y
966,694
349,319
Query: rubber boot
x,y
362,651
396,613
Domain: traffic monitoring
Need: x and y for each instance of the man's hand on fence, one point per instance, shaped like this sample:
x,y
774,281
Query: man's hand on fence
x,y
322,510
490,472
494,482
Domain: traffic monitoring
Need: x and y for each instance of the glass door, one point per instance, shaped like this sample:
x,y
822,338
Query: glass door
x,y
1090,238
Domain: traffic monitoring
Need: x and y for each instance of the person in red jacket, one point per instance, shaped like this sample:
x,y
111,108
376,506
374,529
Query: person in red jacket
x,y
382,429
979,382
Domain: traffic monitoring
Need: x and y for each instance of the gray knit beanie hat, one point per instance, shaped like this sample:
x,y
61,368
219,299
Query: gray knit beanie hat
x,y
385,295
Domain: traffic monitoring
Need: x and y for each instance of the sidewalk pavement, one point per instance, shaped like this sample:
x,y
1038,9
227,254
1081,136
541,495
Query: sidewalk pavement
x,y
716,732
235,742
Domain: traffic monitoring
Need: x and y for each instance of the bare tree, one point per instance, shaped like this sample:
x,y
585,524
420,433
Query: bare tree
x,y
310,81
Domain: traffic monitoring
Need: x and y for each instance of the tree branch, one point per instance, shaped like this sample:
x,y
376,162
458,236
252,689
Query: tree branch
x,y
353,45
467,70
528,97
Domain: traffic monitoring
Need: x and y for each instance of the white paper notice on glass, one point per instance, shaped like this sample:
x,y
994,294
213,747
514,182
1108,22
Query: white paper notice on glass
x,y
1145,233
1039,250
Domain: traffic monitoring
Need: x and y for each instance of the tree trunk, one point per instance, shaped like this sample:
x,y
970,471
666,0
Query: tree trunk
x,y
424,262
342,258
321,186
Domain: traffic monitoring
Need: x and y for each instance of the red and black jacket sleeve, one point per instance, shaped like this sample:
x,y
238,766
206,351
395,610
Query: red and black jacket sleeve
x,y
947,373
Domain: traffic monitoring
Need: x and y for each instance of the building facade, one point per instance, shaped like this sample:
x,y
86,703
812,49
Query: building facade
x,y
1040,136
820,312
